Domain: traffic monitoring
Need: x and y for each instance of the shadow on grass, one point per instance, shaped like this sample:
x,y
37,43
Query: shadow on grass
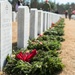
x,y
58,73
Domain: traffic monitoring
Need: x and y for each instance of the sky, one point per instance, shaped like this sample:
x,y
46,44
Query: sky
x,y
64,1
58,1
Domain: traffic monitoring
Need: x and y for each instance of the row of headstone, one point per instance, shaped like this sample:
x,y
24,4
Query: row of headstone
x,y
30,24
39,22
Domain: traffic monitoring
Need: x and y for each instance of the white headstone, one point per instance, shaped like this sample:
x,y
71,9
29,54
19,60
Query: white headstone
x,y
54,18
49,20
14,16
58,17
23,27
44,20
5,31
40,21
33,23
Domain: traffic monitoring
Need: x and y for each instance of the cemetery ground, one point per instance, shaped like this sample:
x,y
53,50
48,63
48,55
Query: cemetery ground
x,y
68,46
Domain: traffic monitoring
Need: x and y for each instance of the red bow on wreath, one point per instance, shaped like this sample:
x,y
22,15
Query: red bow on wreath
x,y
26,56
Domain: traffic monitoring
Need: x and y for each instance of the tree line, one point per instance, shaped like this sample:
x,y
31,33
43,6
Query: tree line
x,y
39,5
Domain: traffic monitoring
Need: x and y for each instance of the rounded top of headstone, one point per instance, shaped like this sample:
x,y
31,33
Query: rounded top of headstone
x,y
40,11
33,9
23,7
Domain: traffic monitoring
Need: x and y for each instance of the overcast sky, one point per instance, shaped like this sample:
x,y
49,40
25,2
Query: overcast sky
x,y
64,1
58,1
